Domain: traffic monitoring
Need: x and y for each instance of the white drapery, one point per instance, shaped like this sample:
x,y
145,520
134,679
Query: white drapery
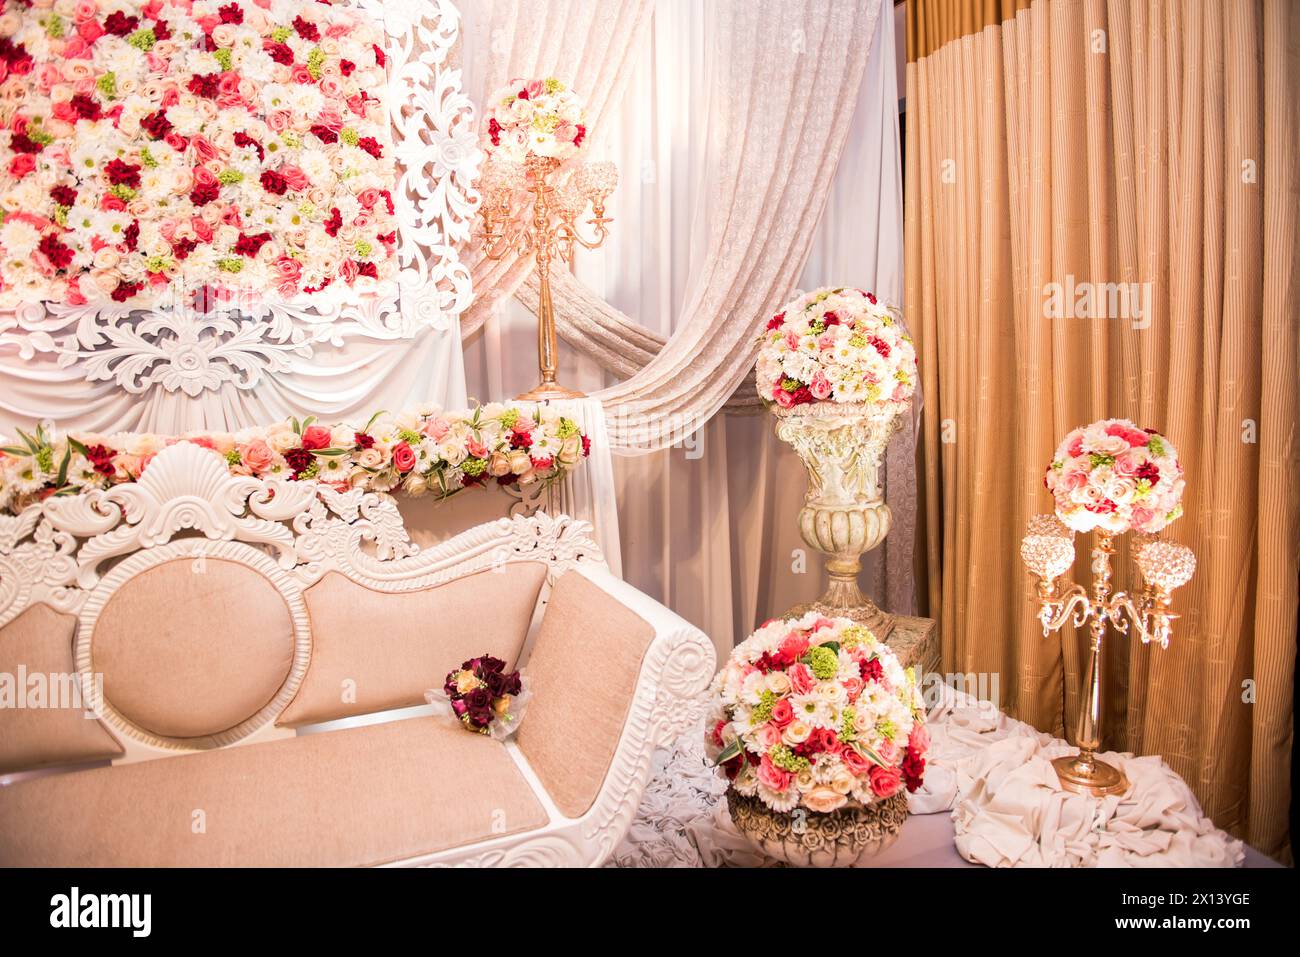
x,y
709,526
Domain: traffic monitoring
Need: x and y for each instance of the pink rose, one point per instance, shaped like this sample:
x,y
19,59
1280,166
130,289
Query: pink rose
x,y
853,686
85,10
768,735
885,781
794,645
782,398
782,713
854,761
294,176
919,739
202,229
278,120
1141,517
89,31
316,437
820,386
403,457
801,678
773,777
300,74
437,428
257,455
888,751
1127,463
21,165
476,448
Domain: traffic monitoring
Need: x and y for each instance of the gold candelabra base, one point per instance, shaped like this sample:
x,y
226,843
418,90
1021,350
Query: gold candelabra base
x,y
549,390
1084,773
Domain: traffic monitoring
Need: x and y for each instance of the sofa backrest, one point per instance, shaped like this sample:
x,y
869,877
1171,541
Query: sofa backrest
x,y
196,609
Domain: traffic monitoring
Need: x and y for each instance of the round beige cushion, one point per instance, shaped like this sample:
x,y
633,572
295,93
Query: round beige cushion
x,y
193,647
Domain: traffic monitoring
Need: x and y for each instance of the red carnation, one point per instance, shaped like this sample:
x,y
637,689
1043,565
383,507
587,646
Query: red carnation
x,y
521,440
870,298
279,52
247,245
243,139
870,670
101,457
274,182
86,106
1148,471
156,124
119,24
334,222
56,251
369,270
306,29
586,446
324,133
204,193
182,247
364,441
63,195
523,93
379,55
125,290
206,85
831,318
131,235
22,143
371,146
880,346
123,174
913,769
346,67
161,31
231,13
580,135
494,131
299,460
776,322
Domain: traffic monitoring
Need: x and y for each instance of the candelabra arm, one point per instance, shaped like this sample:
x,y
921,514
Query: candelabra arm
x,y
1059,603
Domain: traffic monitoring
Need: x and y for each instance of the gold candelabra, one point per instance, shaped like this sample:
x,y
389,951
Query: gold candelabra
x,y
551,232
1048,552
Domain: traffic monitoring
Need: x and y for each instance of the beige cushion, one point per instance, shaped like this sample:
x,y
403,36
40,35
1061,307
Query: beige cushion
x,y
373,650
365,795
583,670
40,641
193,647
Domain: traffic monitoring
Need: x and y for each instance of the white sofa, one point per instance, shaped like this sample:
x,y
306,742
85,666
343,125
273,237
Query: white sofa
x,y
225,627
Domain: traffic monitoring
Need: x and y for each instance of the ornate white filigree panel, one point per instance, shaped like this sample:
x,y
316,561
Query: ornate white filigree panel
x,y
285,353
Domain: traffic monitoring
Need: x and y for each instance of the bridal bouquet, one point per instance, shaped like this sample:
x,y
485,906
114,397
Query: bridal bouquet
x,y
483,696
815,712
1115,476
155,148
535,118
426,450
836,345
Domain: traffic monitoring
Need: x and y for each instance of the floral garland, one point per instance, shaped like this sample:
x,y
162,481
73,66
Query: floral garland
x,y
1115,476
417,452
836,345
815,712
535,118
191,147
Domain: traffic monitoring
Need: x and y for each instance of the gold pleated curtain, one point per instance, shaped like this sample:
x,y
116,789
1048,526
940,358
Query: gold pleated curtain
x,y
1056,144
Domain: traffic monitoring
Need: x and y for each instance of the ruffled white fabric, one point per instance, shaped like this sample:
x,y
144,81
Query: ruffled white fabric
x,y
993,773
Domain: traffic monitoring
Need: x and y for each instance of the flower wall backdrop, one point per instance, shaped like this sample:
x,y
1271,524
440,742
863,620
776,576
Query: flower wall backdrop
x,y
167,147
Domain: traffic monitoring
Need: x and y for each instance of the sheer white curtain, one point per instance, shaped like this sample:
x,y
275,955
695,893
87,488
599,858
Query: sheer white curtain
x,y
708,527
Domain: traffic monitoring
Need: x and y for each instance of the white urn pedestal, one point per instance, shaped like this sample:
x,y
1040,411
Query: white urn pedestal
x,y
844,515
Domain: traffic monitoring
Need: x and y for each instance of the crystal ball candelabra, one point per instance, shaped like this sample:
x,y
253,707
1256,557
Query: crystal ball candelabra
x,y
1048,552
536,208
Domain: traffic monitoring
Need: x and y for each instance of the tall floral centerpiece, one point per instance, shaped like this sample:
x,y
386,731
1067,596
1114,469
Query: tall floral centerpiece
x,y
820,733
1108,478
536,190
837,369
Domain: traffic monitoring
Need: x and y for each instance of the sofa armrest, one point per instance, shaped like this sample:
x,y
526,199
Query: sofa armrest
x,y
615,675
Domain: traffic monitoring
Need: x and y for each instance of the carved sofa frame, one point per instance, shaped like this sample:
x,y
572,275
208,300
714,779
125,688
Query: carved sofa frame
x,y
77,555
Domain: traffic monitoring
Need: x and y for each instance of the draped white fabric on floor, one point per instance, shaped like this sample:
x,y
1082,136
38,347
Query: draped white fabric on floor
x,y
702,249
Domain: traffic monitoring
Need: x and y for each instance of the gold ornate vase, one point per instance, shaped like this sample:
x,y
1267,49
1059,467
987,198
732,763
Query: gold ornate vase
x,y
844,515
843,838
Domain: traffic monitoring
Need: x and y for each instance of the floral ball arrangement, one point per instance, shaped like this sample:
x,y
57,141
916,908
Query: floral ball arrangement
x,y
426,450
836,345
484,697
816,713
161,147
1115,476
535,118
